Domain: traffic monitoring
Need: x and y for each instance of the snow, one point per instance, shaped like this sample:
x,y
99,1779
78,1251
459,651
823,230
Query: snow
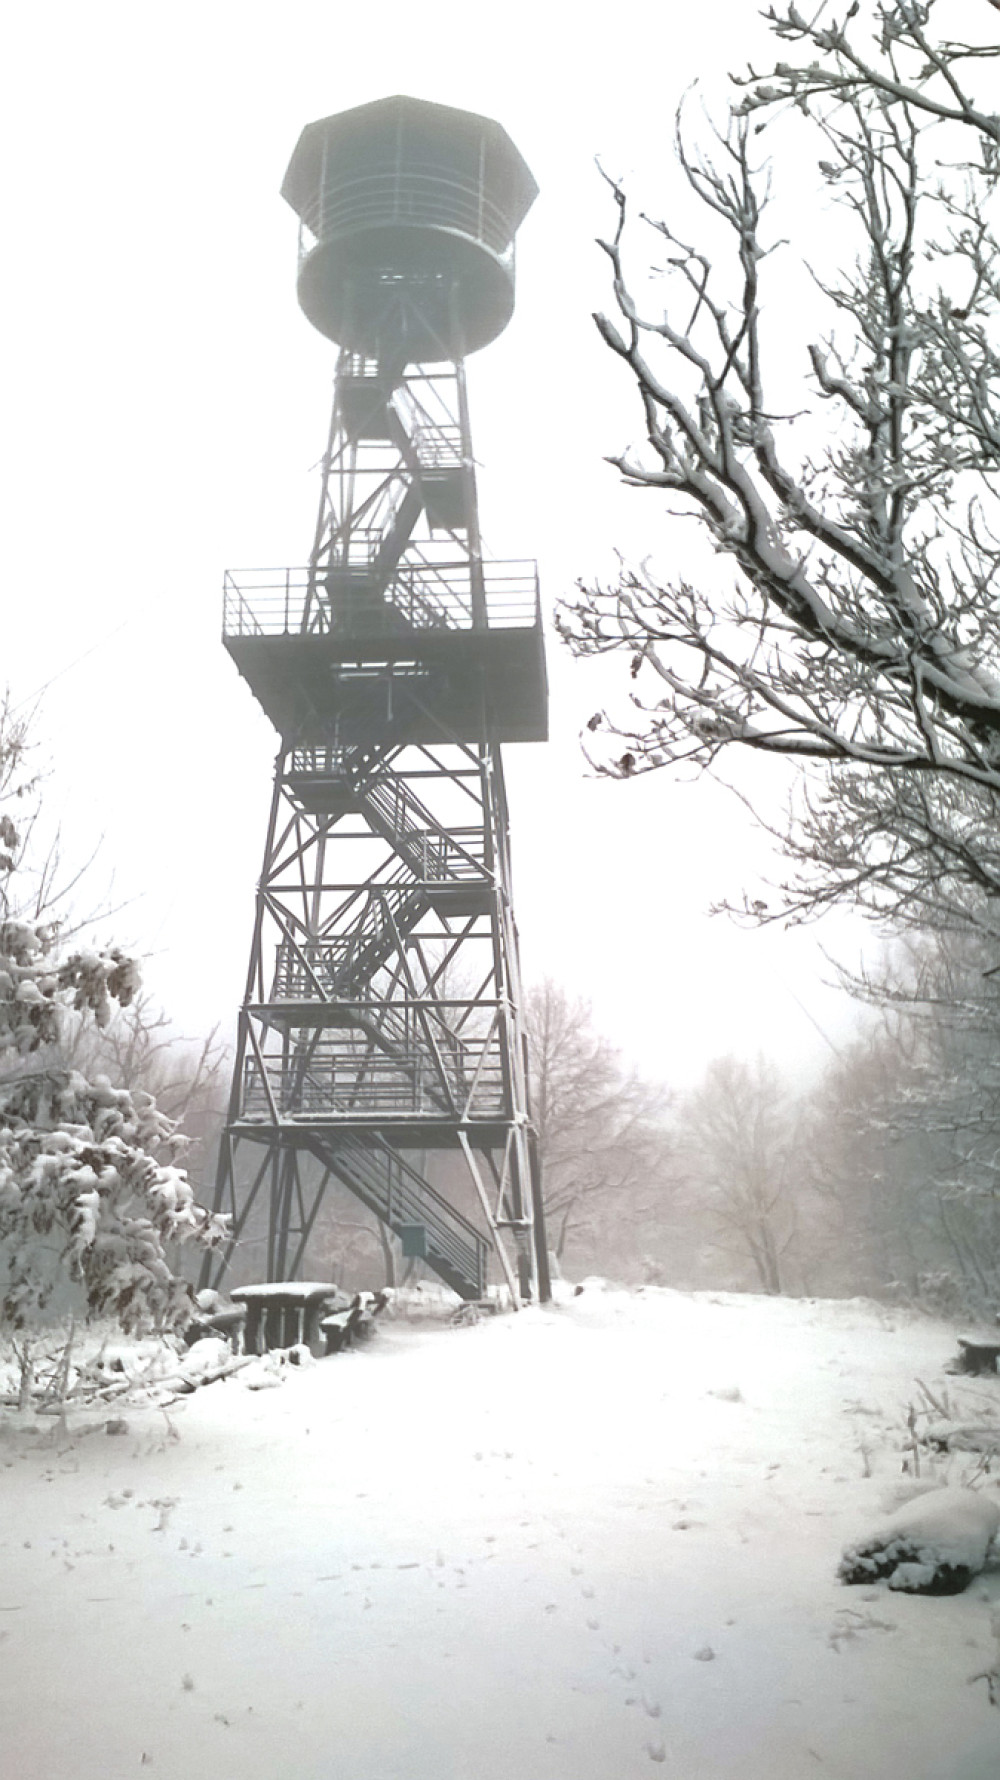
x,y
205,1355
583,1543
292,1289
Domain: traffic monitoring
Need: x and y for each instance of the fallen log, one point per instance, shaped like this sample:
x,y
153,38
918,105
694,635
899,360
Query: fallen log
x,y
967,1437
183,1385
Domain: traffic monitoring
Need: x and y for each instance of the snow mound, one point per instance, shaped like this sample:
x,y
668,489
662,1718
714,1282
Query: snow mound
x,y
933,1546
205,1356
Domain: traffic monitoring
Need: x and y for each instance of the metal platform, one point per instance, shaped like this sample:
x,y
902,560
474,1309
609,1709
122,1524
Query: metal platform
x,y
418,651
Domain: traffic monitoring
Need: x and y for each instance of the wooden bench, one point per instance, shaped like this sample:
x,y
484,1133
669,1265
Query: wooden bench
x,y
344,1327
977,1354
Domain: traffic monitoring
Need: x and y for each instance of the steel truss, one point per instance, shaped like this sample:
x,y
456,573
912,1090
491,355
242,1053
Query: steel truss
x,y
383,1016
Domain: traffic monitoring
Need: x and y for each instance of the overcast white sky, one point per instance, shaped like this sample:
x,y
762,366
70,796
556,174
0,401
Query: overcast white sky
x,y
165,403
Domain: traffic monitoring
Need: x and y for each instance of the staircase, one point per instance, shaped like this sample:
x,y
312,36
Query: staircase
x,y
433,861
433,854
400,1196
347,1053
360,572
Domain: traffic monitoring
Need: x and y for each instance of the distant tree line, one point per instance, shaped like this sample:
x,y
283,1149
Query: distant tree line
x,y
881,1178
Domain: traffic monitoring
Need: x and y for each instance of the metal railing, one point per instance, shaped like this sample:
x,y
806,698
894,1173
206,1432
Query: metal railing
x,y
347,764
345,1077
432,852
438,448
421,595
342,966
359,367
442,1074
351,959
387,515
400,1196
404,1028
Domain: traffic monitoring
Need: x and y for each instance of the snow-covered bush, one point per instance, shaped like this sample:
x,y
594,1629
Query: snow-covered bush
x,y
933,1545
90,1187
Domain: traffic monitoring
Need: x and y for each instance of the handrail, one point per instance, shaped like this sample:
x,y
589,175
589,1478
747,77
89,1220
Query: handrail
x,y
432,851
403,1196
438,1064
284,602
352,1080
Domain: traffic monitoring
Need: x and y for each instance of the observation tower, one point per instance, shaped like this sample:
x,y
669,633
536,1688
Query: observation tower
x,y
382,1027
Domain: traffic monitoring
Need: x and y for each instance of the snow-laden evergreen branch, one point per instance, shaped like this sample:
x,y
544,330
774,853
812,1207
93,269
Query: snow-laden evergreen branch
x,y
91,1187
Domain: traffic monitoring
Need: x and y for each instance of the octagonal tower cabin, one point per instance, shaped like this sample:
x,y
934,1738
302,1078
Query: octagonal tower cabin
x,y
408,212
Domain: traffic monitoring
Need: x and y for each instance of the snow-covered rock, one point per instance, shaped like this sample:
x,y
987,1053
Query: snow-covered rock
x,y
932,1546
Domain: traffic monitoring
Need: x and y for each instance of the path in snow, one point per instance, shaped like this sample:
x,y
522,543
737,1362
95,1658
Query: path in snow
x,y
592,1543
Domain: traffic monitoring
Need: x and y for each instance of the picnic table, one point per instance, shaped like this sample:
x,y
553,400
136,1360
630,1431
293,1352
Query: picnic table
x,y
287,1312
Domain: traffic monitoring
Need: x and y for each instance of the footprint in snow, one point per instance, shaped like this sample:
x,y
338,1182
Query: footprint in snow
x,y
851,1625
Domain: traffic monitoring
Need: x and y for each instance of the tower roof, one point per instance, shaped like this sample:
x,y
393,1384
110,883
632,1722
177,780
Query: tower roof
x,y
384,125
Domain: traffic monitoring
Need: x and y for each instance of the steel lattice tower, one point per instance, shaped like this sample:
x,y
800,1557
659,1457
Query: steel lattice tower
x,y
383,1018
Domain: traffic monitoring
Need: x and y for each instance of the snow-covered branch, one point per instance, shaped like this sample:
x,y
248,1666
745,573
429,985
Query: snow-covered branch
x,y
862,530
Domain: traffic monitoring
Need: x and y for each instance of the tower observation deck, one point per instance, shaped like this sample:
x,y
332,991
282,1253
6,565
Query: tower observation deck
x,y
381,1043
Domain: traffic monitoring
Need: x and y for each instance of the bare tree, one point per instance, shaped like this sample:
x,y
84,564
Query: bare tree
x,y
739,1148
17,787
604,1145
602,1137
921,1117
852,491
871,1222
356,1255
35,883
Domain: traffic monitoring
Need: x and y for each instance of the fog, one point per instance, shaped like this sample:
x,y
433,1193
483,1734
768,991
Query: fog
x,y
166,403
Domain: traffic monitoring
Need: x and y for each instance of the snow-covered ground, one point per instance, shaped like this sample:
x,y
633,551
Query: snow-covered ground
x,y
589,1543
